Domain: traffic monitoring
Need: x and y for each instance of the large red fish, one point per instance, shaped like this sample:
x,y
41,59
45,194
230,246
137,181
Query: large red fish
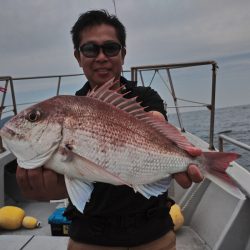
x,y
104,137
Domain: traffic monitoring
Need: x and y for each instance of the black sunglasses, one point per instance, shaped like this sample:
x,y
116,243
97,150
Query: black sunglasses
x,y
92,50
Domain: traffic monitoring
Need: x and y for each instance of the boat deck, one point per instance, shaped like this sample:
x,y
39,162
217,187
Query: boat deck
x,y
41,239
214,219
186,239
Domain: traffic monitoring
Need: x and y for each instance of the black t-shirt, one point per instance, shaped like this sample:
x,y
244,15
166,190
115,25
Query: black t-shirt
x,y
116,215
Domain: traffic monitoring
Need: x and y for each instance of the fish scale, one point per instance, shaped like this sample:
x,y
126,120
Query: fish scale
x,y
105,137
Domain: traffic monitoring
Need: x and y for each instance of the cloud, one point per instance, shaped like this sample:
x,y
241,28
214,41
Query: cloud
x,y
192,29
35,35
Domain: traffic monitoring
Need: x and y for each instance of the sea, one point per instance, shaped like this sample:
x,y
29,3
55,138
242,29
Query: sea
x,y
231,121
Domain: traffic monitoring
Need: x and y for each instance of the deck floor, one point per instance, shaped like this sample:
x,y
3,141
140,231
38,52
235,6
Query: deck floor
x,y
186,240
39,210
41,239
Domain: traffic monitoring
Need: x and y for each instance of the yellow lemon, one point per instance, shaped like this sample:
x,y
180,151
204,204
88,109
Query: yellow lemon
x,y
30,222
177,216
11,217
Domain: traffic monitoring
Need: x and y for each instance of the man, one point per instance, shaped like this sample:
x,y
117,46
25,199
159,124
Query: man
x,y
115,217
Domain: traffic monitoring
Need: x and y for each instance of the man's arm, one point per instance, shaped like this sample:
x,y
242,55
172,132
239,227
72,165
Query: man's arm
x,y
41,184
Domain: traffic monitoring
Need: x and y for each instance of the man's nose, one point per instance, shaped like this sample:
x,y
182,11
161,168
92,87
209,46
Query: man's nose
x,y
101,56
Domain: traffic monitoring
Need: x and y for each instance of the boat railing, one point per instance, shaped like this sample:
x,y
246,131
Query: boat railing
x,y
241,177
226,138
136,72
9,81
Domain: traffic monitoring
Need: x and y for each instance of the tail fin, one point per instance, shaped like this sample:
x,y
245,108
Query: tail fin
x,y
216,164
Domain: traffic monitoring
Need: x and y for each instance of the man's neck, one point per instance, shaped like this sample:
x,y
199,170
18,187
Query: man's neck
x,y
115,86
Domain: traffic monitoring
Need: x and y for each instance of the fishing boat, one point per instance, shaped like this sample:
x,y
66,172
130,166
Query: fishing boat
x,y
214,218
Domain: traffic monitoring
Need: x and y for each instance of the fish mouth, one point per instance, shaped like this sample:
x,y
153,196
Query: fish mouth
x,y
7,132
17,144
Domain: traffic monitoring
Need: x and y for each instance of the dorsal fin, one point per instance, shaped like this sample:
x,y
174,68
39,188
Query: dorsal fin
x,y
134,108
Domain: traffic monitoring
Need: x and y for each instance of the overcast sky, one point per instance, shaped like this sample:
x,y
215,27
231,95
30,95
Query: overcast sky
x,y
35,38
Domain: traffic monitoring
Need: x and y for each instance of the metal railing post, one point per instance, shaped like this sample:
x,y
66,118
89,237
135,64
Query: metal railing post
x,y
58,85
13,96
212,116
3,98
221,149
175,101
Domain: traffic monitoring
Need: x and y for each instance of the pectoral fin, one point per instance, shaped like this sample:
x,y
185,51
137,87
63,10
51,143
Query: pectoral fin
x,y
154,189
90,170
79,192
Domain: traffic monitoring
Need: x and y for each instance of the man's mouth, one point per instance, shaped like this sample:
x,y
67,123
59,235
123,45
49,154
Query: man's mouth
x,y
102,71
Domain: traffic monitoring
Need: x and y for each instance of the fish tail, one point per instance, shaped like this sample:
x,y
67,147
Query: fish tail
x,y
216,163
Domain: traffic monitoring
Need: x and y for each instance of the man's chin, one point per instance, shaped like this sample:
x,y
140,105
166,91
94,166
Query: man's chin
x,y
104,79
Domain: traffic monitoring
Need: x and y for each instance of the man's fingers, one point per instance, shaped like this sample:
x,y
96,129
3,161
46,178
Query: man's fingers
x,y
22,179
36,179
23,182
185,179
41,184
49,178
194,173
52,179
182,179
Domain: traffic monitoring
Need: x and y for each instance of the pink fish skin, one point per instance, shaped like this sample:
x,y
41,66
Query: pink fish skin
x,y
107,138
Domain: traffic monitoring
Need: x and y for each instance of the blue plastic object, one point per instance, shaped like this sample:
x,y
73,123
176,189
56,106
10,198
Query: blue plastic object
x,y
59,223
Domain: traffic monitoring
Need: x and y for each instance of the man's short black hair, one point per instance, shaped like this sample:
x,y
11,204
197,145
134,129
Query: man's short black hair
x,y
97,17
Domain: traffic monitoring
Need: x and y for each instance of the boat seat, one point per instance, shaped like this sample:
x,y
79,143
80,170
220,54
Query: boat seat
x,y
5,158
187,238
207,204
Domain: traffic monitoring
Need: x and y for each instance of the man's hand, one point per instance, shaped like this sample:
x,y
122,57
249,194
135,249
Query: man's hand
x,y
41,184
193,173
185,179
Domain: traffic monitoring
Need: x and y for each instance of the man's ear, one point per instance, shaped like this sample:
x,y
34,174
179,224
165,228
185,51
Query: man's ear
x,y
77,56
123,54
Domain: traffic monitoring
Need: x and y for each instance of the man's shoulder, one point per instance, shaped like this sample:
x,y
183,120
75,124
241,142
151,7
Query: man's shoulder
x,y
148,98
84,90
145,93
140,91
145,90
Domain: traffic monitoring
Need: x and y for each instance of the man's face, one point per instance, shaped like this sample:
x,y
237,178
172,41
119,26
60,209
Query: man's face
x,y
101,68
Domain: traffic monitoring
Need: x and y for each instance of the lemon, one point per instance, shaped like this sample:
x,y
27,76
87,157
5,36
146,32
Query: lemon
x,y
177,216
11,217
30,222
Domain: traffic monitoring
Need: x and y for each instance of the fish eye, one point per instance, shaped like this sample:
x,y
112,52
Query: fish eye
x,y
33,116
